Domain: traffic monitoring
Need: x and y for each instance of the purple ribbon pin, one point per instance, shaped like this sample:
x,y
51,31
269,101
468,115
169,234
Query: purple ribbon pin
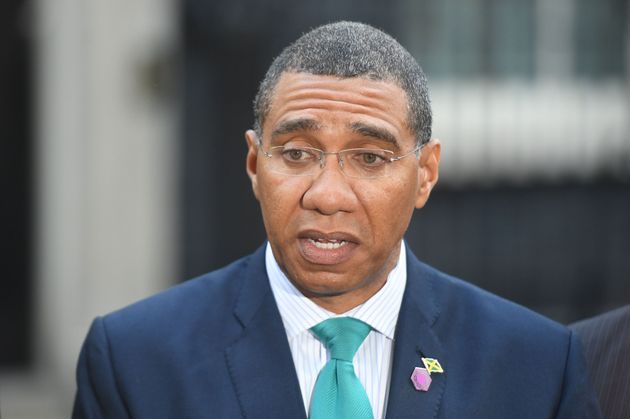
x,y
421,379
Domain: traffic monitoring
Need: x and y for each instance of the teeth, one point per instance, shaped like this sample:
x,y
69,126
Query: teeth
x,y
328,244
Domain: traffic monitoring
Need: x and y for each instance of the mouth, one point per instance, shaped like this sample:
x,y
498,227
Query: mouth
x,y
325,244
327,248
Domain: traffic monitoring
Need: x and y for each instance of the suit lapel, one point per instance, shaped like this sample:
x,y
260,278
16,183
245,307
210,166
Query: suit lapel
x,y
260,361
414,339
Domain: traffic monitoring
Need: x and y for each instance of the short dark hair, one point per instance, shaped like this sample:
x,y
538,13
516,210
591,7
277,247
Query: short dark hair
x,y
351,49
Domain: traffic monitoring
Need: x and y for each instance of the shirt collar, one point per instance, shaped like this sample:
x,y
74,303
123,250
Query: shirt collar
x,y
299,313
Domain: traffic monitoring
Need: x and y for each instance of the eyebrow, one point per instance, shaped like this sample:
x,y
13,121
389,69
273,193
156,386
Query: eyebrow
x,y
295,125
374,132
308,124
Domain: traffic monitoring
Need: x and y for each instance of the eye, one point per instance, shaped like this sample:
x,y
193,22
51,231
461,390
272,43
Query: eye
x,y
297,154
371,157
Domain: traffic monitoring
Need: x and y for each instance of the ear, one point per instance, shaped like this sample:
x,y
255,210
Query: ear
x,y
252,159
428,171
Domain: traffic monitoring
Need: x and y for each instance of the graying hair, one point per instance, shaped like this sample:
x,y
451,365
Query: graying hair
x,y
350,49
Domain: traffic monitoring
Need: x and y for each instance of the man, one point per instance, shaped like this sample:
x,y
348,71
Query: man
x,y
334,317
606,341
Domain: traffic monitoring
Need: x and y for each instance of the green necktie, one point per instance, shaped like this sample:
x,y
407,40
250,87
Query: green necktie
x,y
338,393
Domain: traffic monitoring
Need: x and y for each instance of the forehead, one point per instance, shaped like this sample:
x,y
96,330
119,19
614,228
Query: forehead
x,y
330,101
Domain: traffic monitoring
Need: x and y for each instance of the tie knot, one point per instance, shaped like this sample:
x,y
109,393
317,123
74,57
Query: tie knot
x,y
342,336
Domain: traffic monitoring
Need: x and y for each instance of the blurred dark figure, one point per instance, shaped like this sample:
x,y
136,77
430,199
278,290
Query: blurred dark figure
x,y
16,185
606,340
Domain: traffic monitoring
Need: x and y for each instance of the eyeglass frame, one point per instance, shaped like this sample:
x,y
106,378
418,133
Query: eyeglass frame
x,y
322,156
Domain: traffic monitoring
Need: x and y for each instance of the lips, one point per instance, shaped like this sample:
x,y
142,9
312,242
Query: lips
x,y
326,248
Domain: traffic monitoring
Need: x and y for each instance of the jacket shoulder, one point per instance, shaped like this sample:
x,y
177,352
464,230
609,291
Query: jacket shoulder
x,y
201,304
464,303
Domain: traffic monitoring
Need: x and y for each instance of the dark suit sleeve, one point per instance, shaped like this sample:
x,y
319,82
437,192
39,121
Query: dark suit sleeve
x,y
97,392
578,398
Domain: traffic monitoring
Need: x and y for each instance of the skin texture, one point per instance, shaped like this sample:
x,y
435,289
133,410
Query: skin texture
x,y
371,216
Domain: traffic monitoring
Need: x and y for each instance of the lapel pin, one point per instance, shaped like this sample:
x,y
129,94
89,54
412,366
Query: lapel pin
x,y
432,365
421,377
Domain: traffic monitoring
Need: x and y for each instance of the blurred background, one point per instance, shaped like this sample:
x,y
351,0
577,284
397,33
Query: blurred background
x,y
123,155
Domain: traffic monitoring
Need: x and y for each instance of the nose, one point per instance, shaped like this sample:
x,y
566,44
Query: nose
x,y
330,191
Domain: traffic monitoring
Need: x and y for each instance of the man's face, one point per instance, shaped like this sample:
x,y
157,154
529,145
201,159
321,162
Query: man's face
x,y
337,237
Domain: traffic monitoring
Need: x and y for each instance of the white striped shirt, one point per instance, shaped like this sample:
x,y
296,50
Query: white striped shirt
x,y
372,361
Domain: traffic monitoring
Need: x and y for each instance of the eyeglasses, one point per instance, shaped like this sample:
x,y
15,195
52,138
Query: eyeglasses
x,y
361,163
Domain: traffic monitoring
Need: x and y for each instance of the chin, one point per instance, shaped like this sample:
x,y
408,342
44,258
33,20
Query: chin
x,y
323,284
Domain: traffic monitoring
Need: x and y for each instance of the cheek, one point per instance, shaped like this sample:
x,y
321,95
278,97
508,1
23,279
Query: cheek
x,y
279,200
390,207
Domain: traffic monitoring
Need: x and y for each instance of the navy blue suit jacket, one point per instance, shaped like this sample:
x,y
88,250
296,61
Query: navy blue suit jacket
x,y
215,347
